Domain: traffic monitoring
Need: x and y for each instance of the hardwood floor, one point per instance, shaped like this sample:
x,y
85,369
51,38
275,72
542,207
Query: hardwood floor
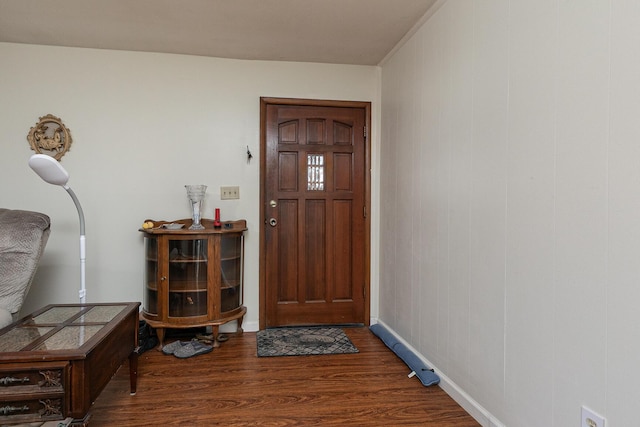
x,y
231,386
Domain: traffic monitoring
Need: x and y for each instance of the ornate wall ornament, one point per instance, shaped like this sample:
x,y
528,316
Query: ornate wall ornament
x,y
50,136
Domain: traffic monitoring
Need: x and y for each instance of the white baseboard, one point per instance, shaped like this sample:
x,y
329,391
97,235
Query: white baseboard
x,y
231,327
477,411
251,326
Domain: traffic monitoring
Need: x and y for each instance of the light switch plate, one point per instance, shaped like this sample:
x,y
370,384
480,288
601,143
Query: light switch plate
x,y
228,193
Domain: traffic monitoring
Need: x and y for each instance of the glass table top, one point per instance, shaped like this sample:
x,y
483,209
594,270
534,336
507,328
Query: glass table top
x,y
97,314
17,338
68,337
59,328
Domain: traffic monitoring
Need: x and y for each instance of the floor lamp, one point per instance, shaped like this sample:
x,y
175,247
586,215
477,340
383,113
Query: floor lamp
x,y
50,170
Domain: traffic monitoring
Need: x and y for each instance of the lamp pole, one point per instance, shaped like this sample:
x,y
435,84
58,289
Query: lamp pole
x,y
51,171
83,254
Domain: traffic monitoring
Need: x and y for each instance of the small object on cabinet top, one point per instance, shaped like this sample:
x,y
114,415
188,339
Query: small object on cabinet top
x,y
173,226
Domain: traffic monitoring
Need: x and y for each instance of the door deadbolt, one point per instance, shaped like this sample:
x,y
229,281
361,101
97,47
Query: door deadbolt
x,y
273,222
273,203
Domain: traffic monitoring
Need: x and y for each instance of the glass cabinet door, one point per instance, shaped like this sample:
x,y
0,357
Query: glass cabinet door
x,y
188,264
150,297
231,272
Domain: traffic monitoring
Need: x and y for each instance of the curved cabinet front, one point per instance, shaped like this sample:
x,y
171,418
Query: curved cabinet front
x,y
193,277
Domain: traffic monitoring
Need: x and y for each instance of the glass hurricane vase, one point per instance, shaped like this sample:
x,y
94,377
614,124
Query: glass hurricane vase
x,y
196,196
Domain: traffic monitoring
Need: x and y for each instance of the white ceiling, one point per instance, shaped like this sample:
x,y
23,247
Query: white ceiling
x,y
331,31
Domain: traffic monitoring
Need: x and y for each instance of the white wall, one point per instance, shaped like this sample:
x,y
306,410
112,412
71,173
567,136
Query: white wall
x,y
510,205
144,125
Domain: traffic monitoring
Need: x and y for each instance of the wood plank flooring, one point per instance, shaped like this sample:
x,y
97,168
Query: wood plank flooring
x,y
231,386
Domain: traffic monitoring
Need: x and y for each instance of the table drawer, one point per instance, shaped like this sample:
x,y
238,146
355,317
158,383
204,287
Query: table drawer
x,y
33,391
42,408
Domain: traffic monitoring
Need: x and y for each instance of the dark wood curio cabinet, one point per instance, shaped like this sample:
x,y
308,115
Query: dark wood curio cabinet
x,y
193,278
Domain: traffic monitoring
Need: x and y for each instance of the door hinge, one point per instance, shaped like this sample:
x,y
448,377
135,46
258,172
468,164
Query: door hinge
x,y
365,132
364,211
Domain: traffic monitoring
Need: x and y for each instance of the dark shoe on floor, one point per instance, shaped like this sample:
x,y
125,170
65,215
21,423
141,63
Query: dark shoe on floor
x,y
204,337
193,348
171,348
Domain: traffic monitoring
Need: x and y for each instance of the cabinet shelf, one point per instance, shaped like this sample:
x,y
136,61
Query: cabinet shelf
x,y
187,261
178,290
193,277
230,285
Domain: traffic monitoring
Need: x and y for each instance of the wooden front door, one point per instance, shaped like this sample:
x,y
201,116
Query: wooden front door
x,y
314,204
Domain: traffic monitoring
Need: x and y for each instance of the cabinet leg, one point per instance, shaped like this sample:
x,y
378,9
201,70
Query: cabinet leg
x,y
239,330
160,333
214,334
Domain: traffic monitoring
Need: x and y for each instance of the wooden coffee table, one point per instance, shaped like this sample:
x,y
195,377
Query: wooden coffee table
x,y
55,362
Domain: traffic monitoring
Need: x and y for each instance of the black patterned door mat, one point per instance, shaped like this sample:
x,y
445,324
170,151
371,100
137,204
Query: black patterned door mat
x,y
303,342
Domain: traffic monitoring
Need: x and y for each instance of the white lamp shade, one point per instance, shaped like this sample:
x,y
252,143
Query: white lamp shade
x,y
49,169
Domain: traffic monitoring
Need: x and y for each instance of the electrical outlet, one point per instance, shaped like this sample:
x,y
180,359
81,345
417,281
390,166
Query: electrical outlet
x,y
227,193
591,419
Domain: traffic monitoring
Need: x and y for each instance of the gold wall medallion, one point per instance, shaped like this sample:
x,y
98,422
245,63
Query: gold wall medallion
x,y
50,136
